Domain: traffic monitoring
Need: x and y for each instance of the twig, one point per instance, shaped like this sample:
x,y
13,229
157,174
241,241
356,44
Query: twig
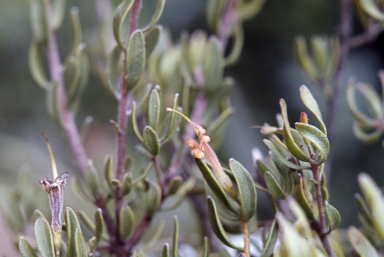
x,y
246,238
56,71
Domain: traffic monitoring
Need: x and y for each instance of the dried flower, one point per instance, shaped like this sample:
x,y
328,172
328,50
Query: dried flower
x,y
203,149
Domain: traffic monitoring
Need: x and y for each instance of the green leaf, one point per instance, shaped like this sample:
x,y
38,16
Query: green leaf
x,y
37,214
114,67
44,239
127,222
156,16
53,103
359,116
304,60
213,183
151,39
174,121
99,224
220,121
135,59
92,243
216,225
92,180
151,141
247,191
324,190
143,175
215,10
108,169
152,198
273,186
213,66
154,237
319,45
247,9
36,65
333,216
271,240
311,103
153,109
79,189
119,16
81,248
174,185
367,137
63,249
315,136
126,185
278,155
76,34
58,11
238,42
25,248
175,236
165,252
363,209
302,200
135,126
370,7
206,247
373,99
360,243
87,221
39,20
288,139
72,226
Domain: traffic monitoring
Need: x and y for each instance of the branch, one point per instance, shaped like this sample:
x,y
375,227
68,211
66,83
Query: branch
x,y
56,72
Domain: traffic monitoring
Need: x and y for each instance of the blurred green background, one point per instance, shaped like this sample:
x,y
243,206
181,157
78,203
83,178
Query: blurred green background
x,y
266,72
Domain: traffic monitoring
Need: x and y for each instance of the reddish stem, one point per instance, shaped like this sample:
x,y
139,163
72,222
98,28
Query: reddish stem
x,y
56,71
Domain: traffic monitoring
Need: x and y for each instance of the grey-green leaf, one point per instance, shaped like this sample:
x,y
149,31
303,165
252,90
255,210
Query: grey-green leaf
x,y
333,216
79,189
114,67
370,6
58,11
108,169
302,200
153,109
92,180
360,243
72,225
273,186
213,66
151,39
81,248
271,240
39,23
37,214
174,121
152,198
127,222
213,183
311,103
165,252
25,248
215,10
99,224
36,65
216,225
288,138
315,136
135,126
279,156
174,185
118,20
151,141
175,236
156,16
135,59
247,191
44,239
126,186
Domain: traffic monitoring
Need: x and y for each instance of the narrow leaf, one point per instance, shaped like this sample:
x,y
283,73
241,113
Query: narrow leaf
x,y
174,121
58,11
165,252
118,20
278,155
79,189
315,136
175,236
213,66
174,185
135,126
44,239
153,109
72,225
81,248
274,186
154,237
99,224
108,168
127,222
39,23
216,225
302,200
156,16
311,103
126,185
206,247
370,7
135,59
151,39
114,68
151,141
271,240
360,243
25,248
333,216
288,139
36,65
247,191
152,198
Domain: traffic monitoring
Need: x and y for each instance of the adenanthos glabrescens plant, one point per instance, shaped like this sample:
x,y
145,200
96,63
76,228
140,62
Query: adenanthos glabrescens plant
x,y
156,83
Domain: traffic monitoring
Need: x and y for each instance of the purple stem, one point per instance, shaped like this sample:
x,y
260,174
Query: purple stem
x,y
56,71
